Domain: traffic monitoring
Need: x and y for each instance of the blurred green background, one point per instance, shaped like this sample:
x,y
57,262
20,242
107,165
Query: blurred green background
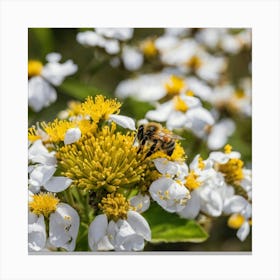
x,y
95,75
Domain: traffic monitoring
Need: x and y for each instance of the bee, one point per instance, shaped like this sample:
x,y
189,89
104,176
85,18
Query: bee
x,y
152,134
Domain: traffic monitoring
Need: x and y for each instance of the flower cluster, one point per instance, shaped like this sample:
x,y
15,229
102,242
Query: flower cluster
x,y
101,178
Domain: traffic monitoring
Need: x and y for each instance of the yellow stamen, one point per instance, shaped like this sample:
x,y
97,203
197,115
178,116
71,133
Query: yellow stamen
x,y
180,104
194,62
228,149
148,47
201,164
57,129
177,155
104,160
43,203
235,221
189,93
191,181
100,108
34,68
32,134
239,94
115,206
174,85
232,170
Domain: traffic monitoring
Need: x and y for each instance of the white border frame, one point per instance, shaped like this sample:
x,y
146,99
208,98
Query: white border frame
x,y
262,16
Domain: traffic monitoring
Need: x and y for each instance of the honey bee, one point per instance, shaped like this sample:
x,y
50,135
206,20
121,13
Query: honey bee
x,y
156,137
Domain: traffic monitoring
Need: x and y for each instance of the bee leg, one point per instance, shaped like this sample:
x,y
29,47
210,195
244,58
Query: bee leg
x,y
152,149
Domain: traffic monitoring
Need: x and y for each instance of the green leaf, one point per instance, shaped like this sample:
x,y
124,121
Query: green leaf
x,y
43,37
79,90
169,227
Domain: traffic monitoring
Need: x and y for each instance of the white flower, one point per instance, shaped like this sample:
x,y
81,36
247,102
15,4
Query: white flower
x,y
132,58
241,211
122,235
40,91
55,72
175,111
171,195
140,202
42,171
63,227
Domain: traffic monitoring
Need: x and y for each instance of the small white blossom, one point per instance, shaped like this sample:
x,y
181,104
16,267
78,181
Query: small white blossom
x,y
123,235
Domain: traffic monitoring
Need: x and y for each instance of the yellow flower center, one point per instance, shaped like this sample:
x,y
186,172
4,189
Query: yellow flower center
x,y
194,62
227,149
43,203
34,68
201,164
149,48
239,94
235,221
57,129
191,181
100,108
174,85
232,170
180,104
106,159
189,93
115,206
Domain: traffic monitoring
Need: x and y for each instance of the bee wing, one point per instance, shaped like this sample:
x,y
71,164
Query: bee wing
x,y
171,135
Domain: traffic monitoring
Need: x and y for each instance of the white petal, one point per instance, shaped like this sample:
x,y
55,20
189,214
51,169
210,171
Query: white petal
x,y
41,174
97,230
53,57
197,119
192,208
220,133
235,204
40,93
219,157
36,233
243,232
112,46
139,224
64,227
56,72
124,121
132,58
57,184
140,202
38,153
72,135
170,195
176,119
211,201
